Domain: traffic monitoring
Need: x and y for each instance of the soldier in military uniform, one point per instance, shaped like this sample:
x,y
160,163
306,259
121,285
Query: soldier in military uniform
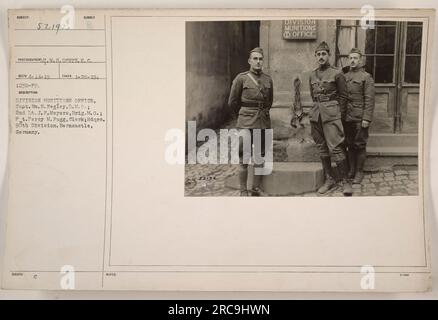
x,y
329,92
251,97
360,108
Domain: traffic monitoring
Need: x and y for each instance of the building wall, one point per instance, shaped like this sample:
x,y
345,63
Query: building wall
x,y
286,59
215,53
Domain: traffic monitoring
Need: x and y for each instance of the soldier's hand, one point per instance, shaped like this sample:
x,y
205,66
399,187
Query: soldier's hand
x,y
365,124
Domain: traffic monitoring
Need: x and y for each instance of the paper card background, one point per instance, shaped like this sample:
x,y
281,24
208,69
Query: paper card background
x,y
4,110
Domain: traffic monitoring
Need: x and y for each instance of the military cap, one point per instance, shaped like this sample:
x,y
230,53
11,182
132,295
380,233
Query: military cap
x,y
355,50
322,46
258,50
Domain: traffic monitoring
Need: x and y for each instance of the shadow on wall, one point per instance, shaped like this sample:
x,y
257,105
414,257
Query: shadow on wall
x,y
215,53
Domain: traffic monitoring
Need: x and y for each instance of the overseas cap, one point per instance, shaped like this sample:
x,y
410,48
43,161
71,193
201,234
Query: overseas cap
x,y
322,46
355,50
258,50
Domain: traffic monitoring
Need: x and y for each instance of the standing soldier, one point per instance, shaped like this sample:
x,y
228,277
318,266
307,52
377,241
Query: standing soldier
x,y
329,93
360,108
251,96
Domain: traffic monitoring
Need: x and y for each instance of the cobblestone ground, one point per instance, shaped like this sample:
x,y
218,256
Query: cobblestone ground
x,y
386,182
209,180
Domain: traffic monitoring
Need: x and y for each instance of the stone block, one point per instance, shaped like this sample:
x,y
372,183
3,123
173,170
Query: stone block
x,y
293,178
287,178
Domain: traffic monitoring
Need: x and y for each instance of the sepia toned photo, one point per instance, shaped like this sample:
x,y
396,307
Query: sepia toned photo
x,y
335,104
137,136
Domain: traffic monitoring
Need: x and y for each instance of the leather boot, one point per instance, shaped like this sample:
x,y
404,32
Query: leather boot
x,y
347,190
329,182
255,191
243,180
352,160
360,161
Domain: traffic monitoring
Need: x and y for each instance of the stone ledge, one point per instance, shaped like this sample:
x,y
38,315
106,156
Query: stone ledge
x,y
287,178
392,151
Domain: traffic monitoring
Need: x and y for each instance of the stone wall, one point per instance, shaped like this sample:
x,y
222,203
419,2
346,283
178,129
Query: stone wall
x,y
215,53
286,59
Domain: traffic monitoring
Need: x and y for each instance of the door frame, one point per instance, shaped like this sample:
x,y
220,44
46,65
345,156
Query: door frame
x,y
403,88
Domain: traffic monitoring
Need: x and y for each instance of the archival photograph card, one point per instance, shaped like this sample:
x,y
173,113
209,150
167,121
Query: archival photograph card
x,y
139,138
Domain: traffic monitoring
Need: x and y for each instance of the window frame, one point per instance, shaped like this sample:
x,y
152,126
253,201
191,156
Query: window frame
x,y
355,26
405,55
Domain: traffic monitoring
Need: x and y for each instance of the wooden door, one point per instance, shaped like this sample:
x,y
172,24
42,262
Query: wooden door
x,y
392,55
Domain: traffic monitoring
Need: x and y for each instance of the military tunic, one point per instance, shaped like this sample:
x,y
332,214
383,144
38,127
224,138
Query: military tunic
x,y
252,101
329,92
361,92
360,106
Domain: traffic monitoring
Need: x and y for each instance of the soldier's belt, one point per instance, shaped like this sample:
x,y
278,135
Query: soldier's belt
x,y
324,97
253,104
356,102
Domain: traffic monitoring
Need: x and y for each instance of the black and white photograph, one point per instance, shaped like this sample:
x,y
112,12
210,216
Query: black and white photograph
x,y
303,107
136,137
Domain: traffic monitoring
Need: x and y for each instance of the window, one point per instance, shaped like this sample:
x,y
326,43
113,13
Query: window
x,y
413,53
378,46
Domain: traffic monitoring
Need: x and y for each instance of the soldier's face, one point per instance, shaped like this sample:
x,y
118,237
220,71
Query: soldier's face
x,y
322,57
355,59
256,61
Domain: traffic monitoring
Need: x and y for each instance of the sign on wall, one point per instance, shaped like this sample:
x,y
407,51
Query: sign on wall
x,y
300,29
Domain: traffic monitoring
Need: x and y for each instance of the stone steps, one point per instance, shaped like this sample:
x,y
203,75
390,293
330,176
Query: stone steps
x,y
294,178
287,178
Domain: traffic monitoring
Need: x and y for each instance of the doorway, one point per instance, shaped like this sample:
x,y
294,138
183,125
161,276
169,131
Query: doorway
x,y
393,56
